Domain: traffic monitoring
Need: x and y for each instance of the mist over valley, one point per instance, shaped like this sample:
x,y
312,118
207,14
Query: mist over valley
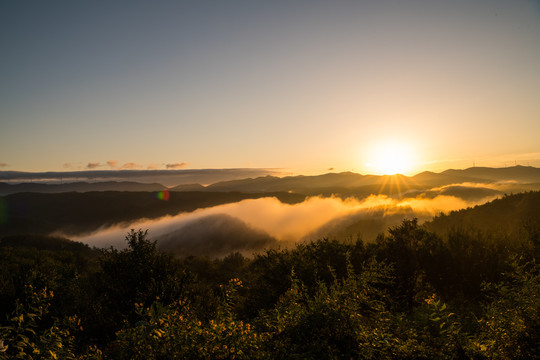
x,y
253,214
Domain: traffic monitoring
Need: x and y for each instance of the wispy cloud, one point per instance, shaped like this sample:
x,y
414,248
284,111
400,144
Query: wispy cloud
x,y
93,165
112,164
3,165
176,165
130,165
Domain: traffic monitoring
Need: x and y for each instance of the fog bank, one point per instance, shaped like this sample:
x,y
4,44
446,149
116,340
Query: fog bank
x,y
253,224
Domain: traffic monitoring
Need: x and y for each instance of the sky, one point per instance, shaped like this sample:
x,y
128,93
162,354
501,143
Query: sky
x,y
307,86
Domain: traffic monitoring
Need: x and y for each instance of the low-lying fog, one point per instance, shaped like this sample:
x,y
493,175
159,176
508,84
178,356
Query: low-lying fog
x,y
251,225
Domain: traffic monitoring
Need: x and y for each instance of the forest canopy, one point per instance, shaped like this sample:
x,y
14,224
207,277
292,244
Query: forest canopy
x,y
413,293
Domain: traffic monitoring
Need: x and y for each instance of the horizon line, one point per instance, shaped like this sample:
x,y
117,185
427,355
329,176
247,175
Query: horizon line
x,y
76,173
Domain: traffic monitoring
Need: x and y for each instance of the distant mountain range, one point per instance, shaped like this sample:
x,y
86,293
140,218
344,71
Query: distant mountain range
x,y
472,182
468,183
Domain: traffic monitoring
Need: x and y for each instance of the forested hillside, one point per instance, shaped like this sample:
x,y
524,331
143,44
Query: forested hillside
x,y
457,293
511,216
75,213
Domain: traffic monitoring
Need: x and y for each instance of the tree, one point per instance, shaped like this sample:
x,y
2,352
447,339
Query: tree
x,y
510,328
138,274
413,251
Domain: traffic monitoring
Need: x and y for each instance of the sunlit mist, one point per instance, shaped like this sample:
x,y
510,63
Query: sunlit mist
x,y
288,223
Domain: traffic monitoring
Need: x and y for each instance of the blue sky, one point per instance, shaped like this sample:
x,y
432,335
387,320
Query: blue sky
x,y
300,85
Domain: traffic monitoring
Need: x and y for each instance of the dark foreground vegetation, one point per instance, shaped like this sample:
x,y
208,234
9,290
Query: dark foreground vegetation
x,y
462,293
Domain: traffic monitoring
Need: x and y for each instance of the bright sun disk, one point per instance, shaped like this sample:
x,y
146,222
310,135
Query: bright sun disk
x,y
390,158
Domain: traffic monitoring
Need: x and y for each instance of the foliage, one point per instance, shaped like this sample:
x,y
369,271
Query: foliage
x,y
346,319
61,265
30,334
413,294
439,330
174,332
415,254
138,274
313,262
510,328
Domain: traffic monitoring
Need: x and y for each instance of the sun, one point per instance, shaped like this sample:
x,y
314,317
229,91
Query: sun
x,y
390,158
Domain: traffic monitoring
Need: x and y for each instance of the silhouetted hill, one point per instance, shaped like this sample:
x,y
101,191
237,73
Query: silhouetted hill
x,y
512,173
188,187
519,178
297,183
43,242
508,214
215,236
313,185
468,193
431,179
6,189
77,213
364,225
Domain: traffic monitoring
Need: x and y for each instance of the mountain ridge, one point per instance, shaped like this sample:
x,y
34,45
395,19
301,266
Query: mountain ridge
x,y
344,183
350,181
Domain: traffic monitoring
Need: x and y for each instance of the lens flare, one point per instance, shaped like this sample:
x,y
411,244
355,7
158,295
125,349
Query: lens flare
x,y
163,195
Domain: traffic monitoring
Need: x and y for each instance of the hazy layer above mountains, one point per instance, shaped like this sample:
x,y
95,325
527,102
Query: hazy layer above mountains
x,y
167,178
